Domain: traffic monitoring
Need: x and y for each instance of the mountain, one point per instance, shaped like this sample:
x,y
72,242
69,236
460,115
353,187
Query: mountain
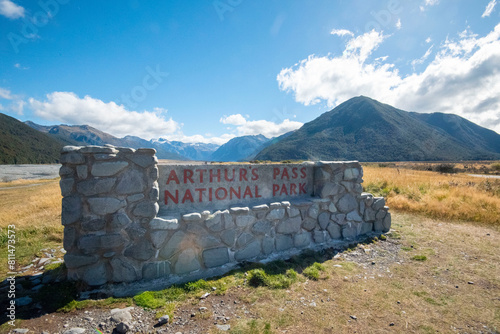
x,y
20,144
367,130
81,135
240,148
193,151
464,131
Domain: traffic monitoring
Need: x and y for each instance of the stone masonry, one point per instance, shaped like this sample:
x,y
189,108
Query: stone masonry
x,y
113,233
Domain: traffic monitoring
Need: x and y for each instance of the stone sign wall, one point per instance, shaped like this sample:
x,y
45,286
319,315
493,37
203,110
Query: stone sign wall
x,y
201,187
126,218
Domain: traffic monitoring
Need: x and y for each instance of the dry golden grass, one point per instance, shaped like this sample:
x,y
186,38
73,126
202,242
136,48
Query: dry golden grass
x,y
443,196
34,207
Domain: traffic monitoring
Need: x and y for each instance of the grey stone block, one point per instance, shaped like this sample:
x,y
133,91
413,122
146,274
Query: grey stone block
x,y
378,203
354,216
187,262
131,182
262,227
378,225
250,251
93,224
135,198
215,257
293,211
135,231
283,242
96,186
313,211
208,241
387,222
142,160
91,243
366,228
330,189
318,236
228,220
98,149
75,261
332,208
324,219
119,221
228,237
192,217
267,245
214,223
66,185
95,275
302,240
66,171
71,210
276,214
72,158
122,271
244,239
70,235
289,226
154,194
142,250
158,238
163,224
104,156
380,214
82,171
349,232
105,205
154,173
146,209
239,210
334,230
369,215
108,168
173,245
351,174
309,224
245,220
154,270
347,203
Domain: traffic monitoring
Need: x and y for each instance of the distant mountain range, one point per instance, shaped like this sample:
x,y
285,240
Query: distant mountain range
x,y
366,130
240,148
359,129
20,144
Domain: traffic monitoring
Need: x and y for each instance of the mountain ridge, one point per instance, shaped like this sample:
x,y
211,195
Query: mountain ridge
x,y
366,130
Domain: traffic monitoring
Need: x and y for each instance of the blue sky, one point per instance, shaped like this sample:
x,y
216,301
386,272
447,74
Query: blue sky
x,y
206,71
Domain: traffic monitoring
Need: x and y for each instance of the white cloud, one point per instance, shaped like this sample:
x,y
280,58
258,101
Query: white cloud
x,y
341,32
5,94
428,40
19,66
463,78
398,24
489,8
10,9
235,119
431,2
267,128
422,59
17,107
67,107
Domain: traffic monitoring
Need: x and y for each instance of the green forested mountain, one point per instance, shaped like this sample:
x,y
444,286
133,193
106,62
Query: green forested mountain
x,y
20,144
366,130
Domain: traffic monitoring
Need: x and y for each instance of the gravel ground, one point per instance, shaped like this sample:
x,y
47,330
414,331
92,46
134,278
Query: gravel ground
x,y
28,172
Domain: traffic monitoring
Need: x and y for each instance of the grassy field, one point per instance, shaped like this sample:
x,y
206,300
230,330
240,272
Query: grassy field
x,y
438,270
444,196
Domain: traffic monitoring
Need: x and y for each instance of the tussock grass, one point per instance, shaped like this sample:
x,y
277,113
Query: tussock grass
x,y
443,196
34,207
